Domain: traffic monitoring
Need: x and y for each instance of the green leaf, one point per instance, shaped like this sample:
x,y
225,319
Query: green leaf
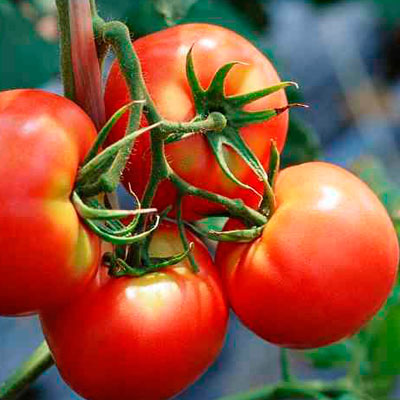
x,y
29,60
173,10
302,144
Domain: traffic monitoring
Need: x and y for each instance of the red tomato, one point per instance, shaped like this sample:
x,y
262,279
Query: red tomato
x,y
47,255
324,265
143,338
163,60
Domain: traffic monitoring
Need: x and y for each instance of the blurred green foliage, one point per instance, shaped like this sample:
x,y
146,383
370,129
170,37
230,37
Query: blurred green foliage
x,y
27,59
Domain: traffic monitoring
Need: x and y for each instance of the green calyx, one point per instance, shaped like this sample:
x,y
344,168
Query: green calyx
x,y
214,100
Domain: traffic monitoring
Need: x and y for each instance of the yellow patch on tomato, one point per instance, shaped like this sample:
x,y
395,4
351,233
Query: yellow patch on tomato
x,y
153,292
84,252
175,103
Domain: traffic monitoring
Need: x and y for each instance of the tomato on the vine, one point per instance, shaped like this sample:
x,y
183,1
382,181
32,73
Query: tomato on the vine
x,y
324,265
142,337
47,255
163,60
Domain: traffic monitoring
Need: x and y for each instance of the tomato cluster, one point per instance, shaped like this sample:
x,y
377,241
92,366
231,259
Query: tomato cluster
x,y
323,264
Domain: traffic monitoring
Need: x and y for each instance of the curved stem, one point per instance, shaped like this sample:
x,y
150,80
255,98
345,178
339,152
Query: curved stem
x,y
117,35
28,372
182,234
236,207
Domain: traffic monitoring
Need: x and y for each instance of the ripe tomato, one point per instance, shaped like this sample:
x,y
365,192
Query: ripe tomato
x,y
143,338
47,255
163,60
324,265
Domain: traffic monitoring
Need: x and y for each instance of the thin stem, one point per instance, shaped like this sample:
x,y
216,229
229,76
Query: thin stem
x,y
28,372
65,46
182,233
93,8
285,365
358,357
236,207
95,167
311,390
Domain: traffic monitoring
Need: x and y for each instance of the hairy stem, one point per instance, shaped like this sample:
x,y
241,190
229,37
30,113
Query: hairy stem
x,y
236,207
67,71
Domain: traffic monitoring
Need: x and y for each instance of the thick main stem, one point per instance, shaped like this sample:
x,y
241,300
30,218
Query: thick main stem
x,y
28,372
65,45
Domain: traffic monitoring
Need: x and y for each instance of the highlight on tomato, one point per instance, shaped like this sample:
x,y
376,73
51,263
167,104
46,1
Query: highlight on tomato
x,y
143,337
324,265
47,255
242,69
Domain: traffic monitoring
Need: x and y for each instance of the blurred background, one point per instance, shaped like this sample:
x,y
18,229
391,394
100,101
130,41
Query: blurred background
x,y
345,55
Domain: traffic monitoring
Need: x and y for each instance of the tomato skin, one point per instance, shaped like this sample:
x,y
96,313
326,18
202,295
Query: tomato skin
x,y
324,265
47,255
145,338
163,59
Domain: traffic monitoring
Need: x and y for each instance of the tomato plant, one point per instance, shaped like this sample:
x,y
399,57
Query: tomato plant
x,y
325,263
310,254
147,337
47,254
163,57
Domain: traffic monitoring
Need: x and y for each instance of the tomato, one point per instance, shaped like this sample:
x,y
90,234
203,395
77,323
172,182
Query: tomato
x,y
144,338
325,263
163,60
46,254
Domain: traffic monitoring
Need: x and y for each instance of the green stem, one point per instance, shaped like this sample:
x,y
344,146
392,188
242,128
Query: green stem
x,y
285,365
28,372
65,47
358,357
284,390
236,207
93,8
182,234
103,161
117,35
